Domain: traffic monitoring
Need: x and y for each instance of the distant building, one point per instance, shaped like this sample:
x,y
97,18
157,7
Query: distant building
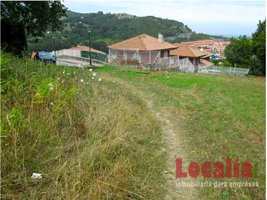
x,y
213,46
187,52
195,55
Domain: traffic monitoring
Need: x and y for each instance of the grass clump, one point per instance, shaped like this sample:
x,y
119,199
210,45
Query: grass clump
x,y
89,139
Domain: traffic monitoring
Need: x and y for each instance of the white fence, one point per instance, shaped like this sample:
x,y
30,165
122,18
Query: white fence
x,y
82,56
149,60
68,52
174,64
225,70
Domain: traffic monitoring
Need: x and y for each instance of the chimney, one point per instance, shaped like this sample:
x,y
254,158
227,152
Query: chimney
x,y
160,38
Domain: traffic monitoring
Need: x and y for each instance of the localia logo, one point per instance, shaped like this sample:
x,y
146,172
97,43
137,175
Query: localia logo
x,y
216,169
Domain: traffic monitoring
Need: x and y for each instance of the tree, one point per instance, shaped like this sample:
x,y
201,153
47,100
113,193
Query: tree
x,y
259,48
238,52
28,17
249,52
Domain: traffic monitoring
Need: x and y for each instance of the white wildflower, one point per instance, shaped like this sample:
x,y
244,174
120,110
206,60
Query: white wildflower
x,y
93,78
100,79
81,80
36,176
68,74
90,70
51,103
37,94
58,78
51,88
50,85
94,74
63,81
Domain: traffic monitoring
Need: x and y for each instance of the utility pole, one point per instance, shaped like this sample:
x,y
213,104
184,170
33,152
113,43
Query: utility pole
x,y
54,47
90,54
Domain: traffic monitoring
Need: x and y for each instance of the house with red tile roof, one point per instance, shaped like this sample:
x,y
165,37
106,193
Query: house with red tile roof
x,y
195,55
143,48
146,49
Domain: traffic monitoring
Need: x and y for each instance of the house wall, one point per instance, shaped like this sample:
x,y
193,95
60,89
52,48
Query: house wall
x,y
197,60
144,57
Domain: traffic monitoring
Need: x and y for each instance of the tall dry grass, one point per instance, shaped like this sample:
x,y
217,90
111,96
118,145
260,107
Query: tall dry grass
x,y
89,139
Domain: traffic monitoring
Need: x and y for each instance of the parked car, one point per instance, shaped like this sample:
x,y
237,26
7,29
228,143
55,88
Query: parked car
x,y
45,57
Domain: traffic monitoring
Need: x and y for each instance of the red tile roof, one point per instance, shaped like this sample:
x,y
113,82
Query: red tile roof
x,y
142,42
186,51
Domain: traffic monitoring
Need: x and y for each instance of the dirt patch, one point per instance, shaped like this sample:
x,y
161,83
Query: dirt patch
x,y
174,150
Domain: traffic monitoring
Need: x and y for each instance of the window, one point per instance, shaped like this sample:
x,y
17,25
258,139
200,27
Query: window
x,y
139,57
171,61
165,54
113,53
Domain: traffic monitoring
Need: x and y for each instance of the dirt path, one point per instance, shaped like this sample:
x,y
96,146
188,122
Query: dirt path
x,y
174,148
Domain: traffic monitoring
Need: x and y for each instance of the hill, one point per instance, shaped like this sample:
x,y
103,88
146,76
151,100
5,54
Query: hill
x,y
110,28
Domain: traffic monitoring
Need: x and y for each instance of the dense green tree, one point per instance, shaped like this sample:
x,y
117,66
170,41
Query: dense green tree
x,y
259,49
249,52
32,18
238,52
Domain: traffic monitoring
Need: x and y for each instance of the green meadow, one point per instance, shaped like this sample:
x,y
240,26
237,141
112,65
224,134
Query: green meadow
x,y
92,135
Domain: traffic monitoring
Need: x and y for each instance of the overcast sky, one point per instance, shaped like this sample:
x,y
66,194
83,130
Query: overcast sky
x,y
211,17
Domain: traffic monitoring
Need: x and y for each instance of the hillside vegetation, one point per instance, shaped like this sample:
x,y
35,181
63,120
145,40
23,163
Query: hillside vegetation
x,y
109,28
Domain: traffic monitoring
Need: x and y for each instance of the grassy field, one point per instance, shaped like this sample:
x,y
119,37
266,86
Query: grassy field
x,y
89,139
223,117
100,140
